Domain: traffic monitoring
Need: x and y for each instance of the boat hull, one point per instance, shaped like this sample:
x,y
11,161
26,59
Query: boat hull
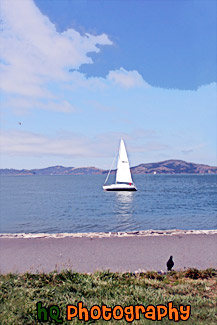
x,y
120,187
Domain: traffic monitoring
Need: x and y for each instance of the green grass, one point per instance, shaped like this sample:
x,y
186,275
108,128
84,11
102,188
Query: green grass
x,y
20,293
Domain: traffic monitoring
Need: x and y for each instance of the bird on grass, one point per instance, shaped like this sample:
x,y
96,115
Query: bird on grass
x,y
170,264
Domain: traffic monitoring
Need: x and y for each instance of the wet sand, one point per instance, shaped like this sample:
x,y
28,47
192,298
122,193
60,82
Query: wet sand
x,y
133,251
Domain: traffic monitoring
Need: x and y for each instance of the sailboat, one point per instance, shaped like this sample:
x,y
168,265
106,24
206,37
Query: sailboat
x,y
123,176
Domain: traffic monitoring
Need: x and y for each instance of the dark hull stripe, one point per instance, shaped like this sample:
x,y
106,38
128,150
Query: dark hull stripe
x,y
121,189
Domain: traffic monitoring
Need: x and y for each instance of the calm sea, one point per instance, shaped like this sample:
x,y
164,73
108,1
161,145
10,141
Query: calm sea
x,y
55,204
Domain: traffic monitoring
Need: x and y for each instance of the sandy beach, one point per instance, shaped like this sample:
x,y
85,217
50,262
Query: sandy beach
x,y
133,251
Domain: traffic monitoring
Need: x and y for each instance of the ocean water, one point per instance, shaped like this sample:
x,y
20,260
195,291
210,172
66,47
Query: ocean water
x,y
57,204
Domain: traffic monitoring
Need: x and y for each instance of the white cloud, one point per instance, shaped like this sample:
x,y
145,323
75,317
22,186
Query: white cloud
x,y
98,150
121,78
22,105
32,144
190,149
63,106
35,61
70,144
34,53
79,80
127,79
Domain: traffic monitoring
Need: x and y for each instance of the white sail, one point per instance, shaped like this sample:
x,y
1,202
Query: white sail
x,y
123,170
123,176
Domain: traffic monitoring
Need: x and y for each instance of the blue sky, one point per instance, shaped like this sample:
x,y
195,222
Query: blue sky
x,y
79,75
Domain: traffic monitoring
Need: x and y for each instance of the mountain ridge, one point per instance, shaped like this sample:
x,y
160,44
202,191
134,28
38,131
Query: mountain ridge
x,y
171,167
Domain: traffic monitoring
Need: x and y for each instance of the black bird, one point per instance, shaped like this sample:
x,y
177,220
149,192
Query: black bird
x,y
170,263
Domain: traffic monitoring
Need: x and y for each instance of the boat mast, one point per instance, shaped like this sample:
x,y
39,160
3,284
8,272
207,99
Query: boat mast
x,y
110,169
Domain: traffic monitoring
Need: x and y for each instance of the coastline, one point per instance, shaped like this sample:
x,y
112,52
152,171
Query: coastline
x,y
139,233
136,251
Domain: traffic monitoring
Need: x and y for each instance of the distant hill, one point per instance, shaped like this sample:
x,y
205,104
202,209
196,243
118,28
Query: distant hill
x,y
54,170
173,167
163,167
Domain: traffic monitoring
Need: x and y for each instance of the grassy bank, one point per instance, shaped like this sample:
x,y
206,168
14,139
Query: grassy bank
x,y
20,293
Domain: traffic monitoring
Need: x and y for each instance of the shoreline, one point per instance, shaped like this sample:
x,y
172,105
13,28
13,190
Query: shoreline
x,y
118,252
139,233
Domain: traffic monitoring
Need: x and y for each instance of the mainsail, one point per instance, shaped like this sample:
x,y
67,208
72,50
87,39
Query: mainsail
x,y
123,170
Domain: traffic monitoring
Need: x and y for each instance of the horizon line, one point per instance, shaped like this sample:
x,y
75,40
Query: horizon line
x,y
162,161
